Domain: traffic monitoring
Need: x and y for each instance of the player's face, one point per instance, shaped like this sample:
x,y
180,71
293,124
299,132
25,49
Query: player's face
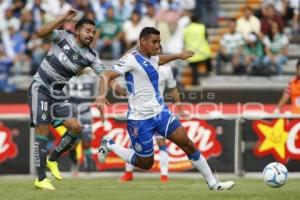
x,y
86,34
151,44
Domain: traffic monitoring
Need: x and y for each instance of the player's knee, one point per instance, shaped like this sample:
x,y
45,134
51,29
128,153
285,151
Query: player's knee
x,y
148,164
42,129
161,142
75,128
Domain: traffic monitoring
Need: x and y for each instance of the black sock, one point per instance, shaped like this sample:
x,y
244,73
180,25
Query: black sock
x,y
73,156
40,155
66,142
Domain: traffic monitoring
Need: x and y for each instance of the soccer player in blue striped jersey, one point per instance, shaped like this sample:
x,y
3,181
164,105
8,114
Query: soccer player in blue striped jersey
x,y
69,54
147,112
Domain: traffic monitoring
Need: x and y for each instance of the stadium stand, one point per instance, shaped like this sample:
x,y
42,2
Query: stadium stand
x,y
21,18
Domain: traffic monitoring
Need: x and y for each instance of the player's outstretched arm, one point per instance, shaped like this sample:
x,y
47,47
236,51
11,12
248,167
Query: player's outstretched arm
x,y
105,80
49,27
163,59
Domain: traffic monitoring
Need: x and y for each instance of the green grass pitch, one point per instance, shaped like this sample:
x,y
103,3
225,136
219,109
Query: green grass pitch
x,y
144,189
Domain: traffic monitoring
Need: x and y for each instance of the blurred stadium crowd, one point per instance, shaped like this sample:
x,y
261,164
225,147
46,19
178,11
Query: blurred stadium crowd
x,y
241,37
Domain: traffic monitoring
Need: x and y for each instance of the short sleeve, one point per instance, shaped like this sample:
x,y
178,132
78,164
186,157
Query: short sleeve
x,y
98,66
57,35
123,65
171,82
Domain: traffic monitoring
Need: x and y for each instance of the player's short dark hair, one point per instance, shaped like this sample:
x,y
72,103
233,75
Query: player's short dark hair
x,y
148,31
83,21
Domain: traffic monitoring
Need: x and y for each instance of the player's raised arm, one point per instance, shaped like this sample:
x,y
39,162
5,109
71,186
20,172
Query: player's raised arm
x,y
165,58
49,27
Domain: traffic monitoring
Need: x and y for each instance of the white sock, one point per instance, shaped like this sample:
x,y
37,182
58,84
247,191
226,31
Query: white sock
x,y
124,153
164,162
205,170
129,167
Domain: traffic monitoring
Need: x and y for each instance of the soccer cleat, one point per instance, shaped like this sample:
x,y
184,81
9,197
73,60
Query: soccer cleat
x,y
228,185
164,179
103,150
53,166
127,176
45,184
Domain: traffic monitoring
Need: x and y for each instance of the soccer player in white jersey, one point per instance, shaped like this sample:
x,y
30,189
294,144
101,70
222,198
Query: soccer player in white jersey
x,y
147,113
166,80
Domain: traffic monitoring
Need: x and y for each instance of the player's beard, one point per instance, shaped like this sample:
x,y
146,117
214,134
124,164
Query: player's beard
x,y
85,41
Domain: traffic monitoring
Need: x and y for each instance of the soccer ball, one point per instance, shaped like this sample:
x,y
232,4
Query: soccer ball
x,y
275,174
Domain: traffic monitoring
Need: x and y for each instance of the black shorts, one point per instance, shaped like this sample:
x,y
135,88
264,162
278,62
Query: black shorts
x,y
44,108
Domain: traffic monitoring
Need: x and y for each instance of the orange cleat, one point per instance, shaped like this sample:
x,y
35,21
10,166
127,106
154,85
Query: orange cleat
x,y
127,176
164,179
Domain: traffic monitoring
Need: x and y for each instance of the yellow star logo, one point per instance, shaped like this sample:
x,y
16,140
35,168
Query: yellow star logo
x,y
274,138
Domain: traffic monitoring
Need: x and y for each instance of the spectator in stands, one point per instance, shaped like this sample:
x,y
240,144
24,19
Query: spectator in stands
x,y
188,5
270,16
279,5
174,5
149,18
99,7
253,52
276,47
4,5
110,31
17,6
37,49
291,92
207,12
167,19
37,9
293,13
9,20
132,29
175,43
123,9
195,39
5,65
27,24
231,50
248,23
63,7
17,43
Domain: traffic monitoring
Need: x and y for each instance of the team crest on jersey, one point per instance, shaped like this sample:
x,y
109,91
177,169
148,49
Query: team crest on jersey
x,y
138,147
75,56
66,47
44,116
